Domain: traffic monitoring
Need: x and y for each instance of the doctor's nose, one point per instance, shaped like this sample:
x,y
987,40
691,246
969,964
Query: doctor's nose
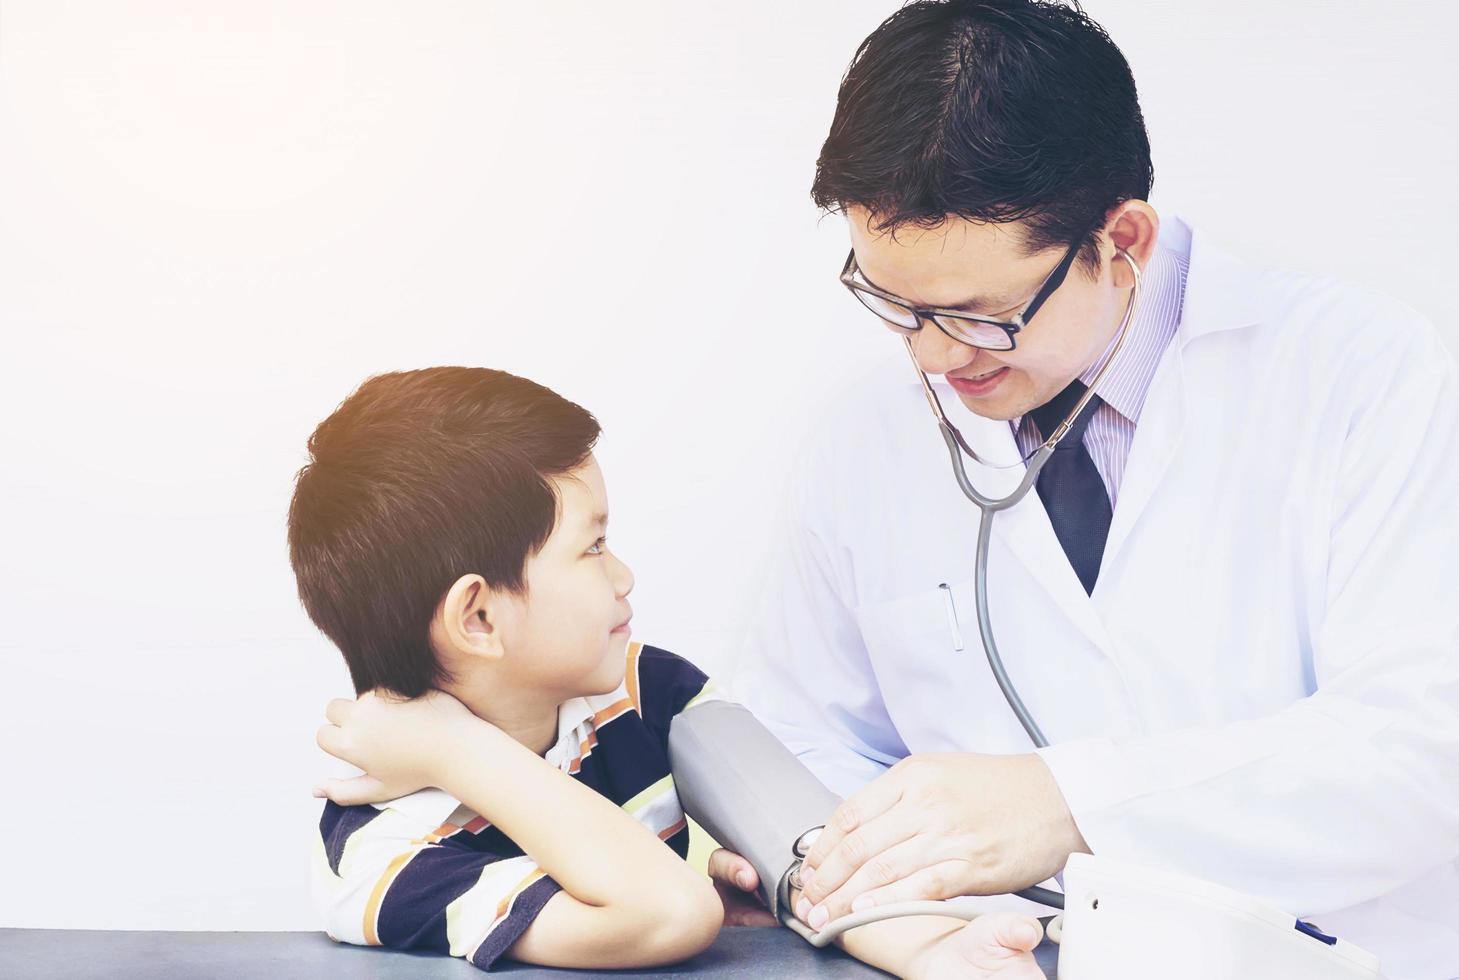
x,y
937,353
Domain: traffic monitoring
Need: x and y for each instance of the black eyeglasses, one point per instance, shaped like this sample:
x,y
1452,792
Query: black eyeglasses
x,y
989,333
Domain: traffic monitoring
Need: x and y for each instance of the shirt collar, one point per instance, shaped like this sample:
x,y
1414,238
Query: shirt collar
x,y
1222,292
1157,317
574,724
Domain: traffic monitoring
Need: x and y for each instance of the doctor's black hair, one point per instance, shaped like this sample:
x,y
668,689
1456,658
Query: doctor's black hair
x,y
416,479
990,110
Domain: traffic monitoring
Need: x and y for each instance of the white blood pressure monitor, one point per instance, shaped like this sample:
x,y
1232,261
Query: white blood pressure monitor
x,y
1121,920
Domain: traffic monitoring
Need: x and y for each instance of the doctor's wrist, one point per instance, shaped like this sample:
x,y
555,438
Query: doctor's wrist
x,y
1060,830
1068,828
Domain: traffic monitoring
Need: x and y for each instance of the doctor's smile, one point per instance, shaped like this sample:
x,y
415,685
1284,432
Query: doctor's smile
x,y
978,384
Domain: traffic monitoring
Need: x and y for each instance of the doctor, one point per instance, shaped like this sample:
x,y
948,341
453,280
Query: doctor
x,y
1232,603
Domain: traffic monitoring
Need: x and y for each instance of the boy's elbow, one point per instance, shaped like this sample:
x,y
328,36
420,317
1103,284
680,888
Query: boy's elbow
x,y
687,923
333,923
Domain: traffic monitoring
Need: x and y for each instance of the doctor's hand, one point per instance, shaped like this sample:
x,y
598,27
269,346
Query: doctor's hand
x,y
735,880
939,825
397,742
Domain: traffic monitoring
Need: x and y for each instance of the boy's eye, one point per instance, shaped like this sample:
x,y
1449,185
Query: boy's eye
x,y
596,548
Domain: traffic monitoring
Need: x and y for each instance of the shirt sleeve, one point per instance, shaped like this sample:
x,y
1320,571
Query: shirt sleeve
x,y
805,671
1350,792
382,879
664,684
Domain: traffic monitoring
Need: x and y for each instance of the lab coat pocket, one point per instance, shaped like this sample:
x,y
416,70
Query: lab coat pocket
x,y
941,698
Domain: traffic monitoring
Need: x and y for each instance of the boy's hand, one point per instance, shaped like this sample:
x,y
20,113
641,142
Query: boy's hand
x,y
398,743
996,945
735,880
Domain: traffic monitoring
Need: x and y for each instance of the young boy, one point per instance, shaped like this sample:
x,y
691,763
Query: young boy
x,y
449,535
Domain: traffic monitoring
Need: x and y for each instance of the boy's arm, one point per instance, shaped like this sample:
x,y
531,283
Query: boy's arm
x,y
901,947
627,899
913,948
897,946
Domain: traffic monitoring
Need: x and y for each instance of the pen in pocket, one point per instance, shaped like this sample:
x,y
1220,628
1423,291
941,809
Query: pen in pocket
x,y
952,624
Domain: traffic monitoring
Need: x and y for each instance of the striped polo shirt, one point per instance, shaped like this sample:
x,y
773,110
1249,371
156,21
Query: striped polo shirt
x,y
424,872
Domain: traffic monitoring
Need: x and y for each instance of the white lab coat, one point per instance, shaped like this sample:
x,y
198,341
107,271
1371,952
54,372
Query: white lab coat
x,y
1263,690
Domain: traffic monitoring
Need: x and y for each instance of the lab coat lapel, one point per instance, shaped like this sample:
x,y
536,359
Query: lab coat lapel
x,y
1024,528
1221,294
1156,439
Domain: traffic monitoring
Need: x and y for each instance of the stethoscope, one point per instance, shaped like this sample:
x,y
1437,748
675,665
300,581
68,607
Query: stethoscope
x,y
987,506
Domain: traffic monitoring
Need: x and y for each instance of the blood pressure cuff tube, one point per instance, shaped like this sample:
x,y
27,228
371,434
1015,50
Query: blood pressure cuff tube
x,y
745,788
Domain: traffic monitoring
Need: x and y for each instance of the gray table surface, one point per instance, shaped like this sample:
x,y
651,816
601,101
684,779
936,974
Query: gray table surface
x,y
83,953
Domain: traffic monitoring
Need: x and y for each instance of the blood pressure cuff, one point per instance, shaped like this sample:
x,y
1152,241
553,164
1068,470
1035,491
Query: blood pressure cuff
x,y
745,788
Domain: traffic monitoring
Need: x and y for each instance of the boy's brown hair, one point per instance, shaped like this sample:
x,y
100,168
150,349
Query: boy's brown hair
x,y
418,478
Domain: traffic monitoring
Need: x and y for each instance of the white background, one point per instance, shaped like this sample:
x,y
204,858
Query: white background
x,y
217,218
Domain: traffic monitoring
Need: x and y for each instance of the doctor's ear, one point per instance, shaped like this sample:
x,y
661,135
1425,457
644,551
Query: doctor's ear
x,y
469,620
1135,227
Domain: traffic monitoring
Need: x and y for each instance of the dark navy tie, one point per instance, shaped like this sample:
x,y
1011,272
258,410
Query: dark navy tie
x,y
1070,487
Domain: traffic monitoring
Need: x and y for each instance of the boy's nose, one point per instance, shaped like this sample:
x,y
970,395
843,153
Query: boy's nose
x,y
622,578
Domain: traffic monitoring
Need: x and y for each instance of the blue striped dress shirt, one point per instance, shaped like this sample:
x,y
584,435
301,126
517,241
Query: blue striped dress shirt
x,y
1112,430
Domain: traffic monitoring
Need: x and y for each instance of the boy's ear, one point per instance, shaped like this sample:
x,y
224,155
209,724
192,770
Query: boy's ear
x,y
469,620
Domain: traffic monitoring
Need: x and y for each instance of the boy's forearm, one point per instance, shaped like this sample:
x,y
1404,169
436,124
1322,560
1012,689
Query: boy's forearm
x,y
594,850
897,945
